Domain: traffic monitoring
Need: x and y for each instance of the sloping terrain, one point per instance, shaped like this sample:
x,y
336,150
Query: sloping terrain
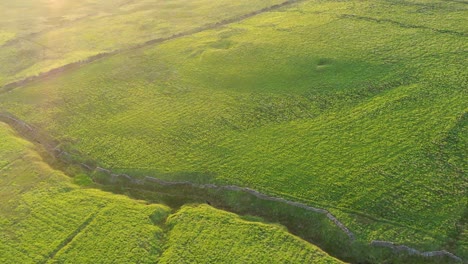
x,y
201,234
38,36
46,218
357,107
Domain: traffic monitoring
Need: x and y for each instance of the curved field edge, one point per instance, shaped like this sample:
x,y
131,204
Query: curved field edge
x,y
224,235
401,122
45,218
419,110
328,231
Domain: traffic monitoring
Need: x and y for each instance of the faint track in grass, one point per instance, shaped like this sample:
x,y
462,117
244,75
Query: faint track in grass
x,y
6,166
70,238
77,64
456,1
404,25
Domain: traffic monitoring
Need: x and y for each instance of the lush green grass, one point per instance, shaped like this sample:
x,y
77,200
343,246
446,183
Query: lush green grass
x,y
357,107
44,217
67,31
318,103
227,238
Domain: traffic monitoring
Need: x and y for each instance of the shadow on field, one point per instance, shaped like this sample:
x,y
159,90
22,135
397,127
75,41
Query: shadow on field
x,y
314,225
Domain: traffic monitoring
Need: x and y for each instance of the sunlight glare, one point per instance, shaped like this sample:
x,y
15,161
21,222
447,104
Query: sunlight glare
x,y
55,4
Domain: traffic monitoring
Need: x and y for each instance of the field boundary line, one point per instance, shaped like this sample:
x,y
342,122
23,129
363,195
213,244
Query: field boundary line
x,y
375,243
6,166
403,25
27,131
77,64
71,237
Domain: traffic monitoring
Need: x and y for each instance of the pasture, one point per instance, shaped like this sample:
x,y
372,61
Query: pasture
x,y
38,36
357,107
245,241
45,217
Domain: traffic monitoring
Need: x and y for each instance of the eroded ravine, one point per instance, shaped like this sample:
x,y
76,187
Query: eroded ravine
x,y
315,225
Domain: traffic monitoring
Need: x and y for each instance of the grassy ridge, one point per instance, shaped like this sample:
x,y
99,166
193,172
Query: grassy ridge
x,y
309,103
242,241
45,218
38,36
313,103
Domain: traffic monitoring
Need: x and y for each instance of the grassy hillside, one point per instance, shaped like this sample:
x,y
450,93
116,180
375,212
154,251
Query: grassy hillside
x,y
201,234
47,218
37,36
358,107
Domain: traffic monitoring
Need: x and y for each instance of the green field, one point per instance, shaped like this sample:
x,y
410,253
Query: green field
x,y
357,107
244,242
47,218
37,36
